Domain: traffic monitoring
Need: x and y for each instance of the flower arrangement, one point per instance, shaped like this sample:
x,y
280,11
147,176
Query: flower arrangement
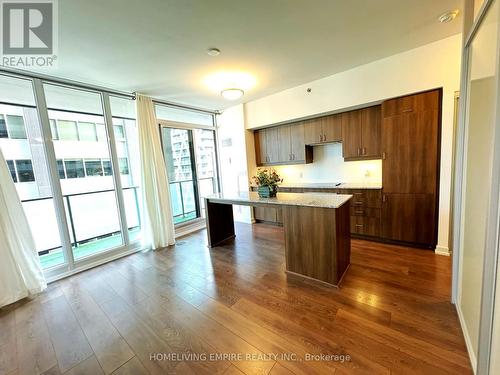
x,y
267,182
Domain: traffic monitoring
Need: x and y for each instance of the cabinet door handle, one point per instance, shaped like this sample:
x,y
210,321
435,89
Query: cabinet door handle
x,y
384,199
358,212
383,155
293,156
359,151
407,110
358,225
364,150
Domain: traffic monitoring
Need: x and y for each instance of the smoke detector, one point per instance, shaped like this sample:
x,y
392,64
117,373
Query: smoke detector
x,y
448,16
213,52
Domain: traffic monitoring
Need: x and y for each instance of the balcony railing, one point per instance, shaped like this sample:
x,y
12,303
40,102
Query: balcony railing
x,y
182,194
91,216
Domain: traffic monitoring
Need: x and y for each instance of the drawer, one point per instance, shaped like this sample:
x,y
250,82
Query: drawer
x,y
365,197
367,226
366,211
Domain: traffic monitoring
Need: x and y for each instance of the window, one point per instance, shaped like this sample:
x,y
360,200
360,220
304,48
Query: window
x,y
60,169
119,132
94,223
3,128
93,167
108,169
53,129
15,124
35,196
67,130
12,170
164,112
25,170
87,131
123,165
101,132
74,168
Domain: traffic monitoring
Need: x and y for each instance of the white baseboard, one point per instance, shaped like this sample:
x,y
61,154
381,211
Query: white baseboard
x,y
442,250
468,342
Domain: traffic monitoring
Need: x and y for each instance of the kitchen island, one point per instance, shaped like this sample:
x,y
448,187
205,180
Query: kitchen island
x,y
316,228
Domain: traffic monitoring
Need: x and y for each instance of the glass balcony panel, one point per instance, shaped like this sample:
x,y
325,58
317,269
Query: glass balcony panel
x,y
88,189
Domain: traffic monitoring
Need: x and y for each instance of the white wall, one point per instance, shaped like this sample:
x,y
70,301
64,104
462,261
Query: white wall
x,y
329,166
233,157
430,66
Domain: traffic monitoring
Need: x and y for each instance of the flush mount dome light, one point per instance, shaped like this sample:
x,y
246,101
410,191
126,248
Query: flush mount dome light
x,y
448,16
232,94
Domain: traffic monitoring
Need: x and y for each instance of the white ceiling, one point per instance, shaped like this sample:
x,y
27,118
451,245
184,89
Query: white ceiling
x,y
158,47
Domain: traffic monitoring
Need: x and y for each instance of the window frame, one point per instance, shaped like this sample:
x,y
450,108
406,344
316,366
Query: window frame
x,y
192,127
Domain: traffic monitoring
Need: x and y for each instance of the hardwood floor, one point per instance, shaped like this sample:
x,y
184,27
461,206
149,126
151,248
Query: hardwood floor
x,y
233,306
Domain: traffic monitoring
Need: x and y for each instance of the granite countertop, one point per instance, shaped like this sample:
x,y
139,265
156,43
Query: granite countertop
x,y
323,200
332,185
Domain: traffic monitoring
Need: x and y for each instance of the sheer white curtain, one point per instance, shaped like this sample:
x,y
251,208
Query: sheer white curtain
x,y
20,271
158,224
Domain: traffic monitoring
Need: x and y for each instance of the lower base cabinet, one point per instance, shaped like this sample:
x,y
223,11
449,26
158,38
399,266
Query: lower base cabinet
x,y
405,218
408,218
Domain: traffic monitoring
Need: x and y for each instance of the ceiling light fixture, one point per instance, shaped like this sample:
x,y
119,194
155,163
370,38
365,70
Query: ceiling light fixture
x,y
213,52
232,94
448,16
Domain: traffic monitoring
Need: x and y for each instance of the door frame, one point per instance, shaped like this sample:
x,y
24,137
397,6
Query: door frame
x,y
492,235
72,265
190,127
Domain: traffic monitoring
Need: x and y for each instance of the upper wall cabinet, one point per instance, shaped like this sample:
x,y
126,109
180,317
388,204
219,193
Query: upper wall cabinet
x,y
323,130
361,134
282,145
291,144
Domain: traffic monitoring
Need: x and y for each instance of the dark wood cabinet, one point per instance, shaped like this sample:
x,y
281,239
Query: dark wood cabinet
x,y
405,133
281,145
291,144
260,147
272,145
361,134
332,128
371,122
313,131
297,144
325,129
409,218
365,211
351,134
410,168
410,152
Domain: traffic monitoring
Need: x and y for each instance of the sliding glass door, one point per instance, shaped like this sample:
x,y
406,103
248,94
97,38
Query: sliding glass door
x,y
22,145
178,151
190,157
81,145
73,157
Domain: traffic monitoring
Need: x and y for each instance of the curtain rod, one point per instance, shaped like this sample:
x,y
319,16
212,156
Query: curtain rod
x,y
13,72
